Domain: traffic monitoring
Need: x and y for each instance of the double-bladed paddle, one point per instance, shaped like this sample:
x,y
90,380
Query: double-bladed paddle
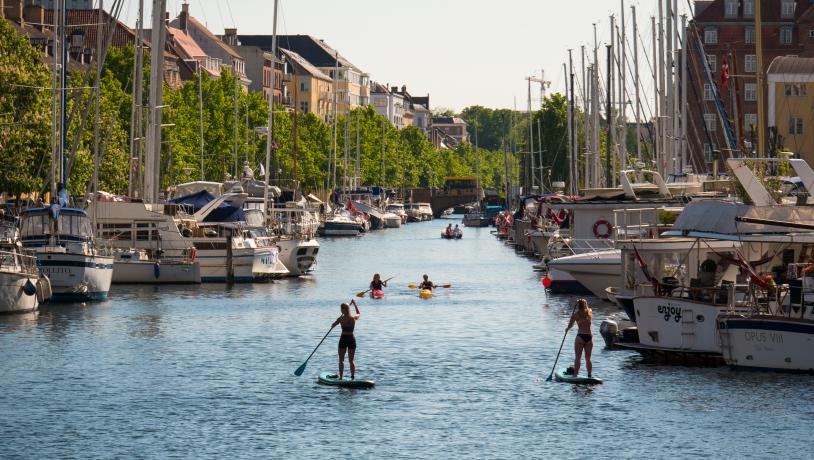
x,y
362,293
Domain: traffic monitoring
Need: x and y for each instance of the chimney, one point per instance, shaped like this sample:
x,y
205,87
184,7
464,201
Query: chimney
x,y
394,89
14,10
182,18
404,89
230,36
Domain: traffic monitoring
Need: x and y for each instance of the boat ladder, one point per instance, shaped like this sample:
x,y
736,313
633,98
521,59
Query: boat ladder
x,y
687,328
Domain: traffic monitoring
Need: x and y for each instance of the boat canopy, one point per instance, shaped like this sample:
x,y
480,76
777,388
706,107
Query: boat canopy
x,y
718,217
194,201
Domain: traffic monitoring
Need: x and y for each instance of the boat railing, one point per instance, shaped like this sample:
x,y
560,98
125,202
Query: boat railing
x,y
632,224
730,295
15,261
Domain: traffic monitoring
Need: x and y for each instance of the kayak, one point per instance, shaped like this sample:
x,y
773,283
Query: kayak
x,y
564,375
330,378
377,294
425,293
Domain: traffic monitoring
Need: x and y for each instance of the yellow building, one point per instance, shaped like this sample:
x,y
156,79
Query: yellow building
x,y
791,104
309,89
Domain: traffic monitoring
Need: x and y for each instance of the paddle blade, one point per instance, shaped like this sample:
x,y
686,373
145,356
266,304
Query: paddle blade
x,y
446,286
300,369
549,378
360,294
412,286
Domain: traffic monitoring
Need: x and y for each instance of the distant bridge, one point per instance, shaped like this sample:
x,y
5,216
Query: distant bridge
x,y
441,199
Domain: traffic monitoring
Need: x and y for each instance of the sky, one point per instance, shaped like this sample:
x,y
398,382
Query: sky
x,y
460,52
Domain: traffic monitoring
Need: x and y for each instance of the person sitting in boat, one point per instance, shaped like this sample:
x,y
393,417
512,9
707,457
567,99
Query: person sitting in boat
x,y
584,341
457,231
347,341
427,284
449,230
377,284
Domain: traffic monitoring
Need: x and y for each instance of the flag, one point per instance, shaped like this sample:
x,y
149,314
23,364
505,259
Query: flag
x,y
646,272
724,75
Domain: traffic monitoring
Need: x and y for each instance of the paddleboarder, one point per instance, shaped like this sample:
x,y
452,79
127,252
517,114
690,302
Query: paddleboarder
x,y
427,284
584,341
347,341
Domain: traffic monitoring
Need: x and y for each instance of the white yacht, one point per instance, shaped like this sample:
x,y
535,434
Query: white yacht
x,y
67,252
22,288
397,209
147,246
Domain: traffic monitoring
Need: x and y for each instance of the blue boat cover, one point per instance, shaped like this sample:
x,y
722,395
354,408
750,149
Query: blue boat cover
x,y
196,201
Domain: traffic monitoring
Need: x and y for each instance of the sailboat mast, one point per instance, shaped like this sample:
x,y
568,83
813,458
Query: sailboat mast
x,y
136,134
63,146
761,116
684,108
269,136
153,159
531,139
636,83
95,181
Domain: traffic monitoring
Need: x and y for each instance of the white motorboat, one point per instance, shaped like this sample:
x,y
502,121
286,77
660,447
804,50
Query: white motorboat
x,y
148,247
391,220
66,251
397,209
771,342
342,223
22,288
595,271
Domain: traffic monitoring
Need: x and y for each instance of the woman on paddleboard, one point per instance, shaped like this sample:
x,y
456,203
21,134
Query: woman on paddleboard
x,y
584,341
347,342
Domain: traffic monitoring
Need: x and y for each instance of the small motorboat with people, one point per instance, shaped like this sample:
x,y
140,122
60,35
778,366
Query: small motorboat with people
x,y
452,233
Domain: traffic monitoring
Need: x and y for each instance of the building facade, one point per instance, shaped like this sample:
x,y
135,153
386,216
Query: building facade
x,y
448,132
726,30
309,90
791,99
258,70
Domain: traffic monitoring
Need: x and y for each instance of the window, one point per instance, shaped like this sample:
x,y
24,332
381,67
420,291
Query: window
x,y
710,122
708,92
750,63
748,8
708,152
304,107
785,35
787,9
750,92
795,125
731,9
749,122
711,35
749,35
811,33
712,60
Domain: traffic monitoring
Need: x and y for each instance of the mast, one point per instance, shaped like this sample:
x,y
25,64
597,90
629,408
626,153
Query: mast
x,y
585,122
684,108
623,89
383,170
761,116
609,115
153,158
136,131
63,76
661,136
595,142
357,172
530,175
200,116
656,100
668,86
636,83
55,95
95,181
675,137
573,130
570,116
269,136
237,159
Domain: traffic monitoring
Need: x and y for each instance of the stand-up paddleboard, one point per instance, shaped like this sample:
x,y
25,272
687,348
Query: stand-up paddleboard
x,y
425,293
377,294
331,378
564,375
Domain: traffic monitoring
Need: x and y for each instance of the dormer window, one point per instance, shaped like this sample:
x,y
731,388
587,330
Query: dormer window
x,y
731,8
787,9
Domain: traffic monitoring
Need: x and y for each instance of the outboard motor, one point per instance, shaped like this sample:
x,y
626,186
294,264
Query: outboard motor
x,y
610,332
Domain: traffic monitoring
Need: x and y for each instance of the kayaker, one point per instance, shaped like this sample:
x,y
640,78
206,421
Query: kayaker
x,y
584,341
347,341
427,284
377,284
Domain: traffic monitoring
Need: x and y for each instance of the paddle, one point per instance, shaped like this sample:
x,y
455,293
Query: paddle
x,y
301,369
362,293
548,379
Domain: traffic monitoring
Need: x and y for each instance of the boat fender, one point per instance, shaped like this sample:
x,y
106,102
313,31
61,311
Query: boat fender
x,y
157,270
193,253
43,289
186,232
29,289
603,229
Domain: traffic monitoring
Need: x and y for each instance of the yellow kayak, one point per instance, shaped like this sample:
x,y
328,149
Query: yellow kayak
x,y
425,293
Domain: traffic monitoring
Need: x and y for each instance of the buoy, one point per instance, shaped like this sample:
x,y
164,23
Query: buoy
x,y
547,282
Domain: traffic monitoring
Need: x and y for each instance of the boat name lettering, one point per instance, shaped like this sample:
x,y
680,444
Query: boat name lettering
x,y
763,337
670,312
54,270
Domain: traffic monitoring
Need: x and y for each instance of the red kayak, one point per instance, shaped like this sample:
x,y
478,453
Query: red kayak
x,y
377,294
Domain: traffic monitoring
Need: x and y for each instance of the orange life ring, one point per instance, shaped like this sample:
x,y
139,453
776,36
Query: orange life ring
x,y
606,231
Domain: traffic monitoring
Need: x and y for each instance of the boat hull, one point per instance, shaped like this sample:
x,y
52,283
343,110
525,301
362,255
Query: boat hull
x,y
298,256
594,271
248,265
771,343
563,283
13,298
148,272
76,277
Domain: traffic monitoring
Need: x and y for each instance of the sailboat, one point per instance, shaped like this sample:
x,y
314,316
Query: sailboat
x,y
61,236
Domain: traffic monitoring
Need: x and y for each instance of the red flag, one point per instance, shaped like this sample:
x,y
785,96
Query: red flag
x,y
352,208
724,75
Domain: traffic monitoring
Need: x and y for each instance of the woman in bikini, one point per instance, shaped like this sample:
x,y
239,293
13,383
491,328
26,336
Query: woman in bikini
x,y
584,341
347,342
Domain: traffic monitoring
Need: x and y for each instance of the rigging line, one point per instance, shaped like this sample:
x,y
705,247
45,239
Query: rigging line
x,y
220,13
231,15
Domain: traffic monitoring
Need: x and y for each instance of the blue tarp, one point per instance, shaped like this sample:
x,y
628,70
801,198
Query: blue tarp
x,y
223,213
196,201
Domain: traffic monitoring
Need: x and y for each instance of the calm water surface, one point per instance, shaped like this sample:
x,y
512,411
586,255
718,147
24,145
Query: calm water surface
x,y
207,371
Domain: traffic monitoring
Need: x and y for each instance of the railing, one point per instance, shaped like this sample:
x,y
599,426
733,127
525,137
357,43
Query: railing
x,y
730,295
627,228
14,261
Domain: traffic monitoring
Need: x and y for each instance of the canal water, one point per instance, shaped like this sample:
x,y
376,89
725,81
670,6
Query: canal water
x,y
207,371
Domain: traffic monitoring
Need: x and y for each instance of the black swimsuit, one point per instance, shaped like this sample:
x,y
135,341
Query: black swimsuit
x,y
347,340
586,337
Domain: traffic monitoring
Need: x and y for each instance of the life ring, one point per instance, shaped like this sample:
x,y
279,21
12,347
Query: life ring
x,y
607,229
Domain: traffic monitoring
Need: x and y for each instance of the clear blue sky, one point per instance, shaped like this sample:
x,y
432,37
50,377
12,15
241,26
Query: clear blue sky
x,y
461,52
